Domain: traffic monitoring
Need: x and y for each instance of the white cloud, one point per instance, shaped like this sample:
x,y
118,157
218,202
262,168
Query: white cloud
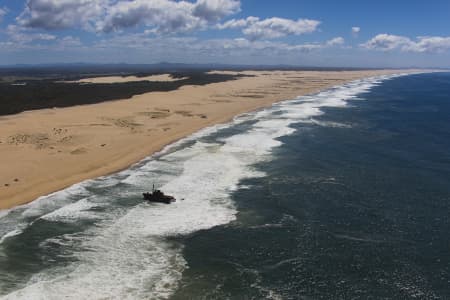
x,y
70,41
24,38
214,10
271,28
3,12
388,42
165,16
20,36
157,16
162,15
239,23
337,41
278,27
435,44
355,31
60,14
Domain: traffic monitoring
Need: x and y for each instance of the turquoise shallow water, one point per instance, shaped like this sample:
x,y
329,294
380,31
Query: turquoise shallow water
x,y
340,195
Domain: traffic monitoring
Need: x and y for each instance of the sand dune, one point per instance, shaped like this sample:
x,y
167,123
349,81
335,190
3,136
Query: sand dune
x,y
119,79
46,150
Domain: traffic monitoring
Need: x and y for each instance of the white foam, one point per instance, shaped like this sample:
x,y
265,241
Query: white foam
x,y
72,212
105,181
4,213
115,267
128,258
10,234
46,204
328,124
140,176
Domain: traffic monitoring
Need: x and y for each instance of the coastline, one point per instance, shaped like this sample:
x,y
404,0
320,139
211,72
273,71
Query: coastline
x,y
47,150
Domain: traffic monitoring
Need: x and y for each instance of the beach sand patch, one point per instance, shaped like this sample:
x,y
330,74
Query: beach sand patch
x,y
184,113
79,151
155,114
40,140
125,122
122,79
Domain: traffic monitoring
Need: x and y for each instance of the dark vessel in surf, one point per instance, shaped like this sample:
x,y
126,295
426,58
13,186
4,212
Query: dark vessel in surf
x,y
158,197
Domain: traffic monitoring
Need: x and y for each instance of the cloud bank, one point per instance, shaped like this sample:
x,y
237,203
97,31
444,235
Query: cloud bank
x,y
162,16
61,14
158,16
423,44
271,28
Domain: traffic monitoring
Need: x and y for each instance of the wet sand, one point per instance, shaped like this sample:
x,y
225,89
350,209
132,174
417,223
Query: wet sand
x,y
47,150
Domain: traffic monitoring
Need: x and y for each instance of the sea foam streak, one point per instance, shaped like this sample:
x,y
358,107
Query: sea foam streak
x,y
126,254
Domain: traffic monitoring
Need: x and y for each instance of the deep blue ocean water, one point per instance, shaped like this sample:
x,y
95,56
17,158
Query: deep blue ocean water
x,y
358,210
340,195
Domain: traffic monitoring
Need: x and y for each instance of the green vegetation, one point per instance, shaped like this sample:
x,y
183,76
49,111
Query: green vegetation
x,y
30,94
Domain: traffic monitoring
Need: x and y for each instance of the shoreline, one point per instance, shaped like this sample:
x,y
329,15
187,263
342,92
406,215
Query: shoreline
x,y
66,146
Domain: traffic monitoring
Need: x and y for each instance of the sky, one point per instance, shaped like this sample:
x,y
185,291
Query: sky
x,y
324,33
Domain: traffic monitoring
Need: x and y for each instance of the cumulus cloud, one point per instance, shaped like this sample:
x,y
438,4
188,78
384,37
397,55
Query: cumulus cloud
x,y
162,16
435,44
61,14
271,28
165,16
24,38
337,41
278,27
355,31
389,42
214,10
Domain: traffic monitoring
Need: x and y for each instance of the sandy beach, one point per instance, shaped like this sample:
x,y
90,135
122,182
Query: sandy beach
x,y
47,150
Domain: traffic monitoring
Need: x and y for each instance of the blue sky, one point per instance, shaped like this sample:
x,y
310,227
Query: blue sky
x,y
382,33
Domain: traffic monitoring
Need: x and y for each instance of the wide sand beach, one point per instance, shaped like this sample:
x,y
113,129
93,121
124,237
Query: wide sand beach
x,y
46,150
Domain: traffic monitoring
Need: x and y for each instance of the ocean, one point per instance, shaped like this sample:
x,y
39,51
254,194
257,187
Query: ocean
x,y
344,194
